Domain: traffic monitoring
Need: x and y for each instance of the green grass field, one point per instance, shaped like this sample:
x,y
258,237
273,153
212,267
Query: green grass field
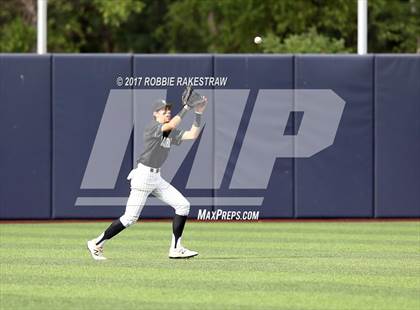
x,y
259,265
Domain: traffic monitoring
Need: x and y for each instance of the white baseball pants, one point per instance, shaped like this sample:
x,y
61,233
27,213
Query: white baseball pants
x,y
145,182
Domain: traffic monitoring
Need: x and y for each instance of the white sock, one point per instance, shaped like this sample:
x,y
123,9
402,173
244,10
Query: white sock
x,y
98,239
173,242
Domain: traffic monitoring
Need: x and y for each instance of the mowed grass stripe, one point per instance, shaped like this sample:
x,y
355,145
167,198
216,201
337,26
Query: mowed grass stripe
x,y
153,274
392,228
248,299
73,240
347,267
143,233
337,269
352,250
339,266
115,302
234,253
137,232
221,285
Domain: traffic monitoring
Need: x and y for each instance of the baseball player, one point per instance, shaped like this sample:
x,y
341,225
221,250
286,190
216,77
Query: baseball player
x,y
159,136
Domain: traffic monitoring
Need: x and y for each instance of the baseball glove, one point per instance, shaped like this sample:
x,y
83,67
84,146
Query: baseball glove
x,y
191,98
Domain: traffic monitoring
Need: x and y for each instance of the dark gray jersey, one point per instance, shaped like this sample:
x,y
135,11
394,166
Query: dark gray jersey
x,y
157,144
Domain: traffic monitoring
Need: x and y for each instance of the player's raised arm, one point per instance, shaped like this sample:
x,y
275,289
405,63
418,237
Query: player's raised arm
x,y
176,120
190,100
196,126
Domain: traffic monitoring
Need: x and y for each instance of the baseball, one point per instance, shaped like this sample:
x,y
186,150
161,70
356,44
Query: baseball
x,y
257,40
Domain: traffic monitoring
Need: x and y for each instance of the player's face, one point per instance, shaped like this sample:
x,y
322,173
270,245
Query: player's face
x,y
163,115
167,115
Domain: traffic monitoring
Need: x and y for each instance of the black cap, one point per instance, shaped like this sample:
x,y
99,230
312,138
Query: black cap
x,y
160,104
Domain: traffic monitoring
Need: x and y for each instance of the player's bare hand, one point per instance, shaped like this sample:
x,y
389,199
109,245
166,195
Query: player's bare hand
x,y
202,106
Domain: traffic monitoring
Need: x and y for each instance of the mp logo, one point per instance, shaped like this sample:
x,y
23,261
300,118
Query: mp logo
x,y
280,123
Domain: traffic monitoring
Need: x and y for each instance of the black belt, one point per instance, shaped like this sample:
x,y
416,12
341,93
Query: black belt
x,y
156,170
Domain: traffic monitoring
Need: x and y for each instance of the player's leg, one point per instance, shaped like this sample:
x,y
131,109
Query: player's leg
x,y
135,204
170,195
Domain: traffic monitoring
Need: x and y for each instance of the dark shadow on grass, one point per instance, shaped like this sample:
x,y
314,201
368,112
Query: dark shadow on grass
x,y
218,258
241,257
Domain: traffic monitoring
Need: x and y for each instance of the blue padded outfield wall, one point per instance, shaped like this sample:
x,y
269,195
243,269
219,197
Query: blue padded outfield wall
x,y
25,136
71,131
